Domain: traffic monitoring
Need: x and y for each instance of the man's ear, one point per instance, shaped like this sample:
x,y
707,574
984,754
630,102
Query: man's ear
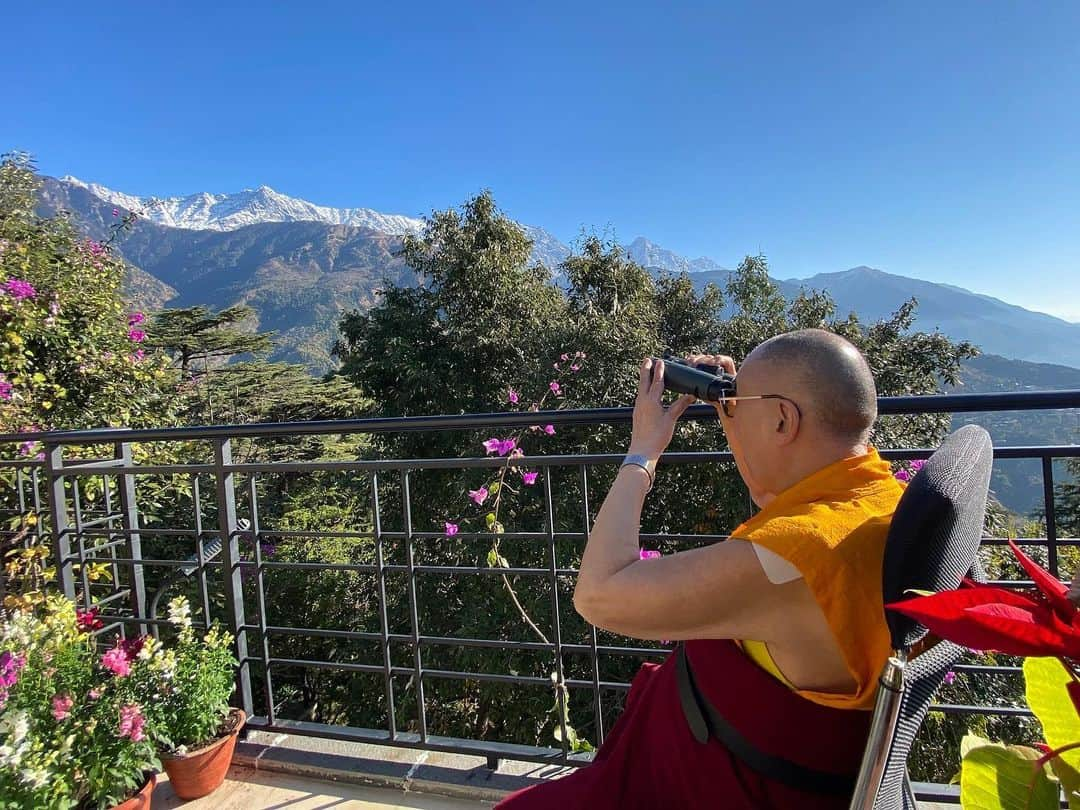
x,y
787,423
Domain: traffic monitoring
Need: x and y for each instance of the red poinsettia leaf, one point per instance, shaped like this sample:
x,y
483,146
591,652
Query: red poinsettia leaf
x,y
989,618
1050,586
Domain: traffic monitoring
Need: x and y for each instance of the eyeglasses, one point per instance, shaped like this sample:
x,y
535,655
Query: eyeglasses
x,y
728,403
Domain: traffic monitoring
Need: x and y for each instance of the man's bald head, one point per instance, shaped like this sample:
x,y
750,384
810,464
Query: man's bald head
x,y
830,376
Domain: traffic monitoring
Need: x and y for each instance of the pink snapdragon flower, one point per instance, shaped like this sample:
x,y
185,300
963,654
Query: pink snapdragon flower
x,y
61,707
132,722
116,661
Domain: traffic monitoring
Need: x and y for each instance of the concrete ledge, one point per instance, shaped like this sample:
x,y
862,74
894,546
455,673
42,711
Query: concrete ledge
x,y
412,770
407,769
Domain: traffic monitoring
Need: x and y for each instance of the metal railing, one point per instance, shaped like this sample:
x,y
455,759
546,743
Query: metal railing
x,y
225,521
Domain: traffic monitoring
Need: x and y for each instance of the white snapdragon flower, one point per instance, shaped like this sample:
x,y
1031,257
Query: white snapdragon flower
x,y
180,612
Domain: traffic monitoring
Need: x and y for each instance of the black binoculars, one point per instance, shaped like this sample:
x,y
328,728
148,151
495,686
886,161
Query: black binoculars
x,y
704,381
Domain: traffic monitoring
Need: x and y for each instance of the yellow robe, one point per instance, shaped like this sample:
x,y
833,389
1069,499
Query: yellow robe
x,y
832,527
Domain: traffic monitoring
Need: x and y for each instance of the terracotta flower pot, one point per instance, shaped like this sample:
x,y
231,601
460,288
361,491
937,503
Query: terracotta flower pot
x,y
141,800
199,772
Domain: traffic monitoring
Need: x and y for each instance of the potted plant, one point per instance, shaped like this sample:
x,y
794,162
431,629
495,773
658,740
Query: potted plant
x,y
187,705
1043,626
72,726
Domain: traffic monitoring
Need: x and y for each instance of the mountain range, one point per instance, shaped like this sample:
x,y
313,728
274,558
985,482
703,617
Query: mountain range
x,y
300,264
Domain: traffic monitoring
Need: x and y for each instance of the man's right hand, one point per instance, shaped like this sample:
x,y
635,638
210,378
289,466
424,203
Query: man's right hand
x,y
722,360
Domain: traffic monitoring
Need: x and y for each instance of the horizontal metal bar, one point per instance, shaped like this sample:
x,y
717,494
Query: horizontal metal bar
x,y
998,711
940,403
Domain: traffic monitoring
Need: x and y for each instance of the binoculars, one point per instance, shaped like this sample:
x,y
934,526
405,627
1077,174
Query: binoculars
x,y
704,381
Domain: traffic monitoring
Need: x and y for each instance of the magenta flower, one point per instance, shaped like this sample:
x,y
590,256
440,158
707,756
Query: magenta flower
x,y
136,335
549,430
478,495
451,529
135,318
116,661
19,289
513,396
5,388
950,676
61,706
10,665
502,447
529,478
575,367
564,357
137,356
554,386
27,448
88,620
905,476
492,445
132,722
646,554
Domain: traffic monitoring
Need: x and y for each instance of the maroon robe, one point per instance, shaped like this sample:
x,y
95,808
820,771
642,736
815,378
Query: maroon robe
x,y
651,759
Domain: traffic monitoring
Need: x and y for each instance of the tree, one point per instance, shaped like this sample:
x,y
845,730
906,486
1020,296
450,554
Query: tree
x,y
196,333
73,354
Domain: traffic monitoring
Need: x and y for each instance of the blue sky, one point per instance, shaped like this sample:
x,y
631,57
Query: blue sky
x,y
932,140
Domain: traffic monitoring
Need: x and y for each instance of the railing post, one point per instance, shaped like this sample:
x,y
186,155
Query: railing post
x,y
58,513
129,516
1051,516
231,573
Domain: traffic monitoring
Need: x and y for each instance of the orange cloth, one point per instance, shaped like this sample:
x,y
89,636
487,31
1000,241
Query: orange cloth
x,y
832,526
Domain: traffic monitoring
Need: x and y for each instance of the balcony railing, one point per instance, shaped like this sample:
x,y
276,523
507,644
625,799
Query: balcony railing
x,y
224,541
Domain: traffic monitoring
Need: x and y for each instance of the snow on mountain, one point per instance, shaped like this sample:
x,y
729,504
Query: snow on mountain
x,y
650,254
226,212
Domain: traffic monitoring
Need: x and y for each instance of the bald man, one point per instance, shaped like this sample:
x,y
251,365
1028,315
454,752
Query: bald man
x,y
766,701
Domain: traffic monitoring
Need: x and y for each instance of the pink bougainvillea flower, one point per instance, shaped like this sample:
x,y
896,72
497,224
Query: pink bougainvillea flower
x,y
517,452
451,529
529,478
575,367
478,495
549,430
506,446
492,445
554,386
61,706
136,335
116,661
135,318
513,396
646,554
950,676
132,722
5,388
1042,622
19,289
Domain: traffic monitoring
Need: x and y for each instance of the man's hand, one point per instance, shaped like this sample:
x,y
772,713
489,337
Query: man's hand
x,y
653,423
722,360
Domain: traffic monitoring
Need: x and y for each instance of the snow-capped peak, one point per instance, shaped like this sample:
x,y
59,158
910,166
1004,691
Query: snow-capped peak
x,y
226,212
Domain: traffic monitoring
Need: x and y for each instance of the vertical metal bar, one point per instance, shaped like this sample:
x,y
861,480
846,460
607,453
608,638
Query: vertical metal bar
x,y
200,553
80,544
253,501
598,711
129,517
556,623
58,513
418,672
384,618
1051,516
110,525
230,552
39,513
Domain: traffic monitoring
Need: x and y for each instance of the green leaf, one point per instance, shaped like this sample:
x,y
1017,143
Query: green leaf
x,y
1000,777
494,488
493,558
1045,681
489,519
